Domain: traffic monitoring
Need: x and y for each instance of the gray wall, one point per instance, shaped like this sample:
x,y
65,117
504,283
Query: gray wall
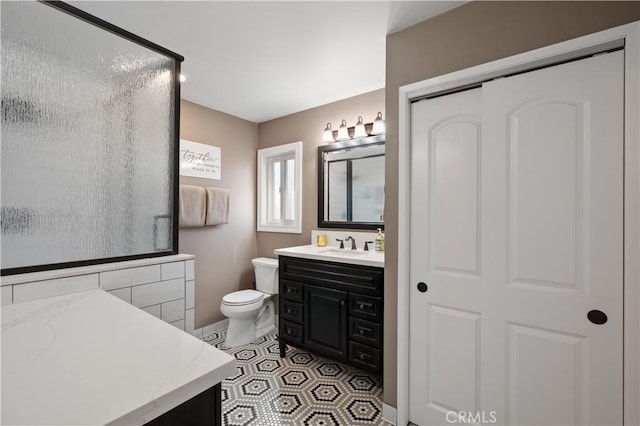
x,y
307,126
224,252
478,32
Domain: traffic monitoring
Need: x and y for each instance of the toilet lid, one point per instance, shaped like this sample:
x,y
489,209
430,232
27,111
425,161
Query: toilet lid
x,y
265,261
242,297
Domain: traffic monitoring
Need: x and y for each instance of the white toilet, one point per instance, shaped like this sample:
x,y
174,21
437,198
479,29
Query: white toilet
x,y
251,312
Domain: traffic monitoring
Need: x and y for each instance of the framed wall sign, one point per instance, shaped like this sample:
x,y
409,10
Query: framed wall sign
x,y
199,160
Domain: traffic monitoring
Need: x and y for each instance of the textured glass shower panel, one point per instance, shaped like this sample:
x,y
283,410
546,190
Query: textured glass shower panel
x,y
87,141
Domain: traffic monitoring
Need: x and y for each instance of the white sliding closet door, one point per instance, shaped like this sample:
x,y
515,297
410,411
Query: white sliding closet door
x,y
516,224
445,255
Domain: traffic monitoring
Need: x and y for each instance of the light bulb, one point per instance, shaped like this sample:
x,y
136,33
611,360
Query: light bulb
x,y
343,131
327,134
360,131
378,125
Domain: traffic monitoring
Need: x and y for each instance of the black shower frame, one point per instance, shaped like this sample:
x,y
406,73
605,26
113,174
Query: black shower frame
x,y
107,26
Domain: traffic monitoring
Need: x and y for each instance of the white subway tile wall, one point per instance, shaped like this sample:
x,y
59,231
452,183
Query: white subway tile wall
x,y
111,280
179,324
41,289
191,294
122,293
190,270
7,295
173,311
162,288
172,270
189,323
154,310
151,294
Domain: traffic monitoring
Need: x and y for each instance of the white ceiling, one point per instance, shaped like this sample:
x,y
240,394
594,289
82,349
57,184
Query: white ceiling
x,y
261,60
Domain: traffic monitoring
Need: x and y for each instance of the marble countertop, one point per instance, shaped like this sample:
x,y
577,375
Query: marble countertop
x,y
334,254
90,358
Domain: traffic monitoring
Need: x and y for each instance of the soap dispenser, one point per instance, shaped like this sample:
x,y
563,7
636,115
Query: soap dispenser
x,y
379,241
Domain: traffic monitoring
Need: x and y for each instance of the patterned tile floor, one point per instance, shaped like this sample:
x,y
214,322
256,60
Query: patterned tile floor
x,y
300,389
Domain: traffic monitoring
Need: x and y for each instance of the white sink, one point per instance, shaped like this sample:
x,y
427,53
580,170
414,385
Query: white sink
x,y
343,252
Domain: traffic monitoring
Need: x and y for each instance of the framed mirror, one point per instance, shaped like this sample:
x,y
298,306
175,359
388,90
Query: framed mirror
x,y
351,184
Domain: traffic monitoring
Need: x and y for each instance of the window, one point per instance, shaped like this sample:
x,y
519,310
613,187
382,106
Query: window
x,y
279,188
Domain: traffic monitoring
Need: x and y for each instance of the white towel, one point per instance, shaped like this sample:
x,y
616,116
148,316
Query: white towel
x,y
193,202
217,206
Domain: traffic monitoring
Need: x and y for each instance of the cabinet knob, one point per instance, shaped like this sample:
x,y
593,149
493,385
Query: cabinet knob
x,y
361,306
362,332
342,303
361,357
422,287
597,317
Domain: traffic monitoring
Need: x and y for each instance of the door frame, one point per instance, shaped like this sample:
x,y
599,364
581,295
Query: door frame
x,y
627,35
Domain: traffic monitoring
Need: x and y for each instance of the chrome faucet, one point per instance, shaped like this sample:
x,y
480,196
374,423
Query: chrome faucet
x,y
353,242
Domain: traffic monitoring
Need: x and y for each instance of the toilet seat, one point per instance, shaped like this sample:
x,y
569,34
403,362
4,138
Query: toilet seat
x,y
242,297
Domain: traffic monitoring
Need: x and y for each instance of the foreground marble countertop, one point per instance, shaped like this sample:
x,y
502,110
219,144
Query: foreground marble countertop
x,y
334,254
90,358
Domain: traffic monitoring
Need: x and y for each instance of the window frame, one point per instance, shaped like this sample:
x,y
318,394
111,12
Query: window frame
x,y
267,157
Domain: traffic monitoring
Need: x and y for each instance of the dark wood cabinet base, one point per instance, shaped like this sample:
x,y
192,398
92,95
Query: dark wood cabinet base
x,y
333,309
203,409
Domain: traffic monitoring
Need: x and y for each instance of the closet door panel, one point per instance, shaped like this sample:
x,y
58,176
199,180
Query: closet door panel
x,y
552,213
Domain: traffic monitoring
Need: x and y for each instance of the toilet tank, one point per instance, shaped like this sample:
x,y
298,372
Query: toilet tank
x,y
266,274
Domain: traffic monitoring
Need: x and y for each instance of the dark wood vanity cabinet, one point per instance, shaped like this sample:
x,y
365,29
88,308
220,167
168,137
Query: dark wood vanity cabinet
x,y
333,309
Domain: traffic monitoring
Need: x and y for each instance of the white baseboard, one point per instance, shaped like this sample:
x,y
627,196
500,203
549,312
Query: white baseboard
x,y
217,326
211,328
388,414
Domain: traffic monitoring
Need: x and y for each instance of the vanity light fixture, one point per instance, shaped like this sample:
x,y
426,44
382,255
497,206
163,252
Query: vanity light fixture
x,y
378,125
327,134
343,131
359,131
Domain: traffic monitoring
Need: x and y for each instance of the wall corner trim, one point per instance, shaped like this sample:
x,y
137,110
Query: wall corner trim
x,y
389,414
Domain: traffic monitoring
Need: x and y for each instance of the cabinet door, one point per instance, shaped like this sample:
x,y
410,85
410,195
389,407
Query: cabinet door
x,y
326,321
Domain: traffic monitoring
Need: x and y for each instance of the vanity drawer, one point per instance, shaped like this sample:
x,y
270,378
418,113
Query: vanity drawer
x,y
291,331
365,357
365,307
366,332
339,276
291,310
291,290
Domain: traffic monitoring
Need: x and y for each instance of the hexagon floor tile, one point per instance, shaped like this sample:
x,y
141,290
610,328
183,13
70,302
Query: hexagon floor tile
x,y
301,389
